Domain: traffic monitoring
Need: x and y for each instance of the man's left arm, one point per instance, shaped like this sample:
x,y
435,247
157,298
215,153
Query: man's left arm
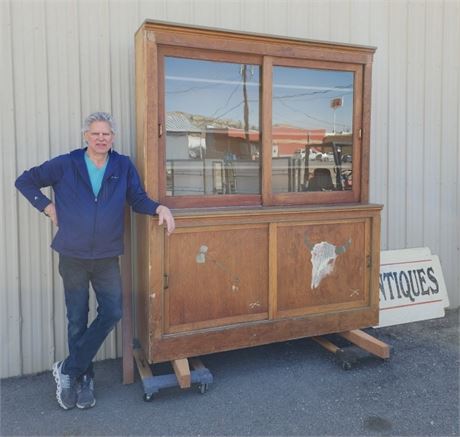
x,y
137,198
165,216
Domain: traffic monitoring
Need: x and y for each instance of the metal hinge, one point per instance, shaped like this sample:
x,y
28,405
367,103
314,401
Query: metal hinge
x,y
360,133
369,261
165,281
160,129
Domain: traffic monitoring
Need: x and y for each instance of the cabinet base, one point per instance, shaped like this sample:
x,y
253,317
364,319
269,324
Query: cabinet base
x,y
182,376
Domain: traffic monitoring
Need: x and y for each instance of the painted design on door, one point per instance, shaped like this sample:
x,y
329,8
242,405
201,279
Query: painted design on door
x,y
323,256
203,255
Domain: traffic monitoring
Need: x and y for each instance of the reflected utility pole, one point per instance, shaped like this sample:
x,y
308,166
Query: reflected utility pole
x,y
246,106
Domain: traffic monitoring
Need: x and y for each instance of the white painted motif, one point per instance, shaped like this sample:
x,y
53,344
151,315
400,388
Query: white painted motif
x,y
323,256
201,255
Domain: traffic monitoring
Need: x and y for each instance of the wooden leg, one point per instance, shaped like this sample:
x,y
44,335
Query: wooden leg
x,y
142,364
182,371
326,344
367,342
196,363
126,323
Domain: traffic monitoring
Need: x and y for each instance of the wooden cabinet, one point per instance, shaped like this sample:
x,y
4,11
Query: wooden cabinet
x,y
275,237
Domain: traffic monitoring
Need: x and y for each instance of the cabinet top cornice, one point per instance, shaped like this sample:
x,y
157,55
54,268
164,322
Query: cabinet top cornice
x,y
186,29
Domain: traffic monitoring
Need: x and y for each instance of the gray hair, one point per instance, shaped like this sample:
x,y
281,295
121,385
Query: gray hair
x,y
99,116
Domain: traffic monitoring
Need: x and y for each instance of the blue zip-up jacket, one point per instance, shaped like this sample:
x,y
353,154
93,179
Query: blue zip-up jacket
x,y
88,227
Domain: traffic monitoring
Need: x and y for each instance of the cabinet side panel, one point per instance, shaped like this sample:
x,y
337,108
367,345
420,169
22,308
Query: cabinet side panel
x,y
142,262
142,291
140,103
375,263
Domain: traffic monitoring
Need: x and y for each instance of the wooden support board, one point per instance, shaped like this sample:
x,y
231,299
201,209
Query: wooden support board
x,y
182,371
359,338
367,342
326,344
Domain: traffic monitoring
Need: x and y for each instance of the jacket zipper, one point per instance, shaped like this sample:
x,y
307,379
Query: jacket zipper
x,y
93,243
96,201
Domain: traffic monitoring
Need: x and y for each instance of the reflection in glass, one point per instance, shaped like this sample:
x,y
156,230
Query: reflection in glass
x,y
312,130
212,127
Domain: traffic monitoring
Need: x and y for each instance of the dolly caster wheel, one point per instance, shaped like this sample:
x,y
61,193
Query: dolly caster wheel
x,y
203,388
148,397
346,365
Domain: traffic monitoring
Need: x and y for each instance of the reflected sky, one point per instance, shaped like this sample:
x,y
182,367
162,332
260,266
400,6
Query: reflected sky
x,y
212,89
301,97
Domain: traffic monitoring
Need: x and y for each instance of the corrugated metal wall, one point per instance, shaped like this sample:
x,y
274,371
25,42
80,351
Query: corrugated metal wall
x,y
64,59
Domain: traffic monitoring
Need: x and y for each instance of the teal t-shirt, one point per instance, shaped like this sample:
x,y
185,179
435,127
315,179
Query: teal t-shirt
x,y
95,174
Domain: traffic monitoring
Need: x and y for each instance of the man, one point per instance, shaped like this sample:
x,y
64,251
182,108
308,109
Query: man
x,y
91,187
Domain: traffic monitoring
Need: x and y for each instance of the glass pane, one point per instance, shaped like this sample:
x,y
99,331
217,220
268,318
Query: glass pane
x,y
212,128
312,130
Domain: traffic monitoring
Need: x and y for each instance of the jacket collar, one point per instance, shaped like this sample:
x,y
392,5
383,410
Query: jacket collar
x,y
78,156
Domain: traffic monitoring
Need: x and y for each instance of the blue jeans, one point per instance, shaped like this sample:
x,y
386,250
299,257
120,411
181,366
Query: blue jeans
x,y
84,341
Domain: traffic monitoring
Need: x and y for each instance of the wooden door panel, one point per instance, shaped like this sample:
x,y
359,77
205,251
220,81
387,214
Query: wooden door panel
x,y
217,276
322,267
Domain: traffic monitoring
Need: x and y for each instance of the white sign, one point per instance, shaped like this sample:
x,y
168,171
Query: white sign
x,y
411,287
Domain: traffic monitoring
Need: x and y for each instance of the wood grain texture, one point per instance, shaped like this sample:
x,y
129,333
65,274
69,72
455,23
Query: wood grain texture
x,y
366,134
266,125
263,254
258,333
182,371
257,44
217,274
344,284
367,342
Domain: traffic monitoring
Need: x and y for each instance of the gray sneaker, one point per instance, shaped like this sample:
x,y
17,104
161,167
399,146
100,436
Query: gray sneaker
x,y
66,387
85,393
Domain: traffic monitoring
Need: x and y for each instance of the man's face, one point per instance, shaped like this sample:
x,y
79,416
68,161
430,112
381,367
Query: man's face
x,y
99,138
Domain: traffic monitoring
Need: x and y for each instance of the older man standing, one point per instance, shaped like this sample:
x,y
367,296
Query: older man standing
x,y
91,187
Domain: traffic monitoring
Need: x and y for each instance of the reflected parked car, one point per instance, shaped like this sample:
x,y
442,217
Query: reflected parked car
x,y
312,155
325,156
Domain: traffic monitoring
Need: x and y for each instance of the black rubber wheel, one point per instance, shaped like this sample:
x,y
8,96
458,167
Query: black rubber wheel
x,y
203,388
346,365
148,397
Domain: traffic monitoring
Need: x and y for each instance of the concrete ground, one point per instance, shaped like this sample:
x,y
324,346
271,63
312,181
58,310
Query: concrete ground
x,y
294,388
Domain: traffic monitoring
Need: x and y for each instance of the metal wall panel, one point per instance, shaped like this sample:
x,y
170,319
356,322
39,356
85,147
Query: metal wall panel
x,y
64,121
10,307
31,114
229,14
63,60
397,82
449,242
431,170
379,20
415,123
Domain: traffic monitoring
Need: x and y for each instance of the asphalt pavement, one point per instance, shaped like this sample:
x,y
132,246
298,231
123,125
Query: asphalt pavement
x,y
293,388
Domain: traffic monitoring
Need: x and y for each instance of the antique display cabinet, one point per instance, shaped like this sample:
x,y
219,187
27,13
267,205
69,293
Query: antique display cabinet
x,y
260,146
